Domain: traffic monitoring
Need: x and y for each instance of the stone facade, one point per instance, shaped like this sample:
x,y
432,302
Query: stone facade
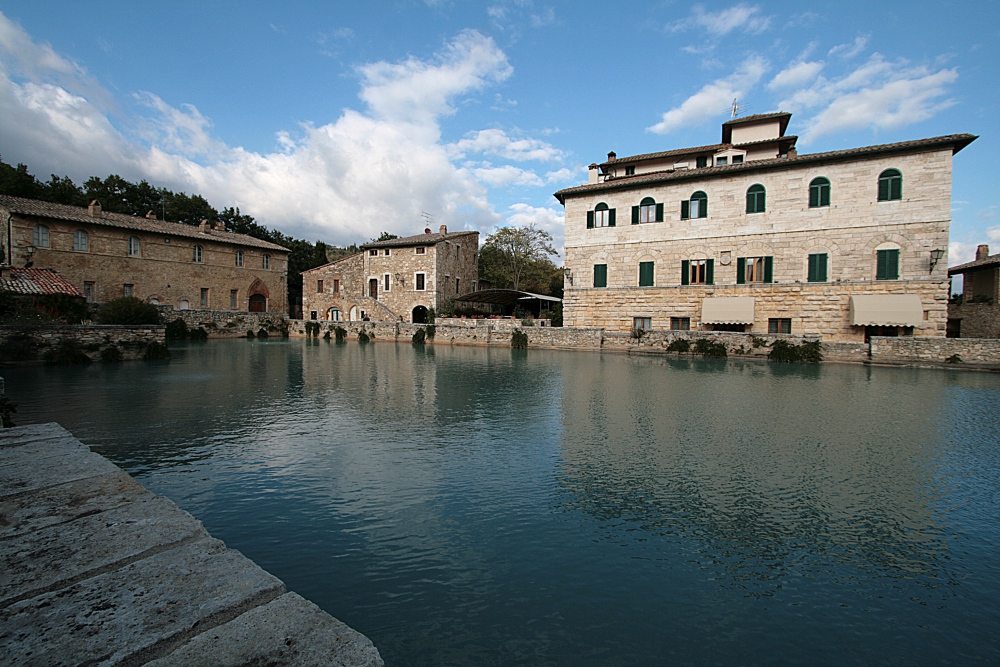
x,y
398,280
109,255
957,351
849,231
226,323
976,313
131,340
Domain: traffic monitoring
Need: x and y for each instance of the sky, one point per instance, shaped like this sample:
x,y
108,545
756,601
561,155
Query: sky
x,y
336,121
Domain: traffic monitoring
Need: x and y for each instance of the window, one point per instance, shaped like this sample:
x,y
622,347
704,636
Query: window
x,y
645,274
647,211
88,291
600,275
80,239
887,265
719,161
419,279
698,272
420,250
373,252
701,161
890,185
642,323
387,252
127,290
819,192
630,171
737,159
41,236
458,281
266,262
183,305
680,323
817,268
754,270
756,196
239,258
198,254
336,285
319,287
133,246
696,207
779,325
386,282
313,315
334,314
204,297
601,216
232,298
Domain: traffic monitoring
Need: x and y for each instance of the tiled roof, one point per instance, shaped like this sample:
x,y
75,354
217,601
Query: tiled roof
x,y
991,260
43,209
37,281
757,116
956,141
662,154
416,239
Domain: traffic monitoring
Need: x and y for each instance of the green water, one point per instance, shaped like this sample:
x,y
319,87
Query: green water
x,y
476,506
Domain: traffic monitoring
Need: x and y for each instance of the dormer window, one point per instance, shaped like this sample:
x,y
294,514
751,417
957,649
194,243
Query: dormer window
x,y
630,171
719,161
737,159
701,161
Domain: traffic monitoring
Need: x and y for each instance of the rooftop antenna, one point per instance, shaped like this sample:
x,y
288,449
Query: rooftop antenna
x,y
736,108
428,218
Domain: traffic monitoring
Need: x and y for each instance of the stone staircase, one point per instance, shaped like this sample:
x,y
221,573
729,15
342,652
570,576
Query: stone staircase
x,y
378,306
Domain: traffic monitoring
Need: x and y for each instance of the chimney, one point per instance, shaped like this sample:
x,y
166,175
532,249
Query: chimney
x,y
427,230
203,227
982,252
612,156
444,229
218,226
94,210
150,215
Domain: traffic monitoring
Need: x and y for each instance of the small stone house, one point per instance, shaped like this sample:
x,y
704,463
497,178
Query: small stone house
x,y
398,280
976,312
110,255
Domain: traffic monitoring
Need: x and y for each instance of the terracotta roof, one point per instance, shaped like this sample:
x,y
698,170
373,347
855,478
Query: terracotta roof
x,y
956,141
781,116
662,154
416,239
43,209
990,260
37,281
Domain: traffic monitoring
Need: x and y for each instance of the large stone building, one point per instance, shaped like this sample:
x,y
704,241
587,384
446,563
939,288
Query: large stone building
x,y
109,255
748,235
396,280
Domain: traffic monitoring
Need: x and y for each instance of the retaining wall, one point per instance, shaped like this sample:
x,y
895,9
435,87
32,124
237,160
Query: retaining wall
x,y
30,343
225,323
936,350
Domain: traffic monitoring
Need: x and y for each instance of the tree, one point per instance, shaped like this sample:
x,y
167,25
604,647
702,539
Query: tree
x,y
510,252
384,236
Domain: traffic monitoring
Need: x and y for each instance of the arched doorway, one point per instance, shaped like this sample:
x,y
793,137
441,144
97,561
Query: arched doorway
x,y
183,305
258,303
333,314
420,315
355,316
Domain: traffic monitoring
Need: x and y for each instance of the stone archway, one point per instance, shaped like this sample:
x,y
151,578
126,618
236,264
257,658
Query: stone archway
x,y
355,316
419,315
258,296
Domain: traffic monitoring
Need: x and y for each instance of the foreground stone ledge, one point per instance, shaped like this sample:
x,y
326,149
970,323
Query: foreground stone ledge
x,y
95,569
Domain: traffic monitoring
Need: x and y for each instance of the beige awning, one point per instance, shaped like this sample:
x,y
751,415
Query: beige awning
x,y
901,310
727,310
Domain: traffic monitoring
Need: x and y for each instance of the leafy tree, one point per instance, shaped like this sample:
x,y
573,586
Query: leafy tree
x,y
17,182
511,254
384,236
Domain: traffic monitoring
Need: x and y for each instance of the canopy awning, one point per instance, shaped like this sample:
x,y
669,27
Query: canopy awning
x,y
504,296
727,310
900,310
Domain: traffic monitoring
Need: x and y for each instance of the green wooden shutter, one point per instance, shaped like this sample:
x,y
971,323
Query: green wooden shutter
x,y
590,219
892,265
896,187
710,272
880,258
635,215
645,274
741,270
685,209
814,196
769,269
703,209
883,189
600,275
821,269
659,212
611,217
824,196
685,272
813,275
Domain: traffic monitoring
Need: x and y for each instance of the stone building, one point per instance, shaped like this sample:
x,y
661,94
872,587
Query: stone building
x,y
976,313
398,280
109,255
748,235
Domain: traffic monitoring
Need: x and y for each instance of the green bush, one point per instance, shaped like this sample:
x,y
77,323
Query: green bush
x,y
156,351
710,349
419,337
66,308
262,333
783,351
128,310
67,351
250,333
198,334
679,345
177,330
519,340
363,336
312,329
431,316
954,359
111,354
326,335
340,333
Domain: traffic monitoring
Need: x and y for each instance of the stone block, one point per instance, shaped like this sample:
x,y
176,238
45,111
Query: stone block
x,y
48,462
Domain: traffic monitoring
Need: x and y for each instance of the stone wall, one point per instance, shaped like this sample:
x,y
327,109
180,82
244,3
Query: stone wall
x,y
31,343
979,320
226,323
936,350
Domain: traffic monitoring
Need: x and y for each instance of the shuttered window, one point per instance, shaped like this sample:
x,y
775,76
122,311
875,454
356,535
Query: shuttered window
x,y
600,275
645,274
698,272
754,270
696,207
887,265
817,268
647,211
890,185
601,216
819,192
756,199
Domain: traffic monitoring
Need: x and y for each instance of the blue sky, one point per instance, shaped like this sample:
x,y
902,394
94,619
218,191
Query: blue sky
x,y
336,120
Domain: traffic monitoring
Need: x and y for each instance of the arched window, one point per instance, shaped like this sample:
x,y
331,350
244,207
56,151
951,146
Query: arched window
x,y
239,258
80,239
756,199
198,254
647,211
819,192
133,246
890,185
601,216
267,262
699,205
334,315
41,236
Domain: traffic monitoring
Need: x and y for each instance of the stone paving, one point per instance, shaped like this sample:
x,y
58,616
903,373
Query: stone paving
x,y
96,570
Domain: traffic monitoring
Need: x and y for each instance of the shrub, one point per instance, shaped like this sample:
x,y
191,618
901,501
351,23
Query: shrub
x,y
128,310
431,330
69,309
783,351
340,333
363,336
177,330
112,353
954,359
312,329
519,340
326,335
710,349
527,323
198,334
637,333
262,333
419,336
431,316
679,345
250,333
155,352
7,408
67,351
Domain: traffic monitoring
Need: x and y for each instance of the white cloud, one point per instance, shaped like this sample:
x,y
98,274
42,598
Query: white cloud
x,y
714,98
562,175
739,17
507,176
542,217
851,49
795,75
497,142
960,252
